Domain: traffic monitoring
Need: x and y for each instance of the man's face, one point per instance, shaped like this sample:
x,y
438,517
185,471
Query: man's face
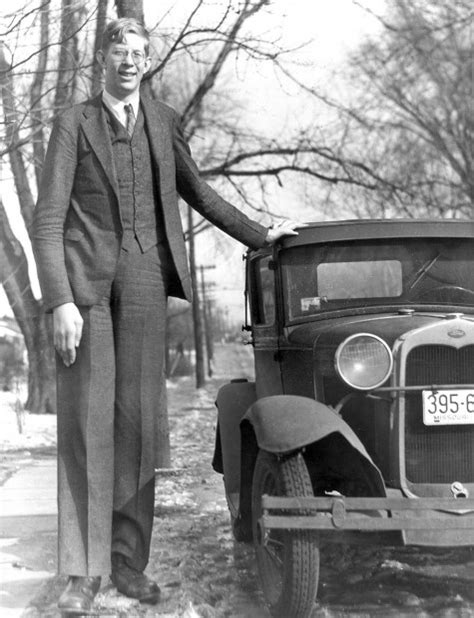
x,y
125,64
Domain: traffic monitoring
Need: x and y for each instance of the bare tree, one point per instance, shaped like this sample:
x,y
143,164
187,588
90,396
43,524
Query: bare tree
x,y
29,104
56,67
411,117
14,273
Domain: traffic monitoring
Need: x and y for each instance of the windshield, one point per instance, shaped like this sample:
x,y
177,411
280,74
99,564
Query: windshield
x,y
318,278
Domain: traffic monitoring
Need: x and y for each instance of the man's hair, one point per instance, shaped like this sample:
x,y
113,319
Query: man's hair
x,y
117,29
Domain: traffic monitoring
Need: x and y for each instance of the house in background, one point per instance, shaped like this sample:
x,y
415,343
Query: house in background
x,y
12,353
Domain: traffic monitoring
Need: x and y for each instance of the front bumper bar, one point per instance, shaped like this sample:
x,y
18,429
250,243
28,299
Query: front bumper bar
x,y
366,514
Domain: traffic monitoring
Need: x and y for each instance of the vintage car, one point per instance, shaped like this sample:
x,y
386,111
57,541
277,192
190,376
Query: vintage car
x,y
359,425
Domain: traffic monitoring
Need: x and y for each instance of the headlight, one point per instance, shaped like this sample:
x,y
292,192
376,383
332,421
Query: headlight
x,y
364,361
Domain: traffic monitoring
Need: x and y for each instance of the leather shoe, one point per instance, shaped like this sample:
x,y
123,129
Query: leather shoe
x,y
133,583
79,595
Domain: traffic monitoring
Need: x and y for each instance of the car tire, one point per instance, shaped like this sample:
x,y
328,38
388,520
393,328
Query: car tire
x,y
288,562
241,532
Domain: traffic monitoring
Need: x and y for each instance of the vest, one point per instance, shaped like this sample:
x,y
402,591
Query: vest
x,y
139,203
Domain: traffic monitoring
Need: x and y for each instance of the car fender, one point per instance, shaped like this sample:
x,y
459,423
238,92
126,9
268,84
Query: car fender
x,y
285,423
233,400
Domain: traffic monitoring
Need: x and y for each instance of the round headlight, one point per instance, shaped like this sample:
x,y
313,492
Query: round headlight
x,y
364,361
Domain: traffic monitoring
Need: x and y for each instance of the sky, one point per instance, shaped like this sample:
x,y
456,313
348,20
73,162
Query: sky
x,y
323,31
330,29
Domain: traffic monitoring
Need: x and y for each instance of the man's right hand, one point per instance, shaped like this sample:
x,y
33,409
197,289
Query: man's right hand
x,y
67,331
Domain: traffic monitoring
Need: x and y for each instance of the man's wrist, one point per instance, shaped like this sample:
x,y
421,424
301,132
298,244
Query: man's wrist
x,y
59,307
270,235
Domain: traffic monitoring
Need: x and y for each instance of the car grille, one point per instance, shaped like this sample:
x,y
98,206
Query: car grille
x,y
440,454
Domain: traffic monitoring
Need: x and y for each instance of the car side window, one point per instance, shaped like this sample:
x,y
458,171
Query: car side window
x,y
264,292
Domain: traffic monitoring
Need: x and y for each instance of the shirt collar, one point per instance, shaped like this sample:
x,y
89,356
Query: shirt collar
x,y
117,105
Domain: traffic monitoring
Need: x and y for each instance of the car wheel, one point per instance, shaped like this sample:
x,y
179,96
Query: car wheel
x,y
241,532
287,560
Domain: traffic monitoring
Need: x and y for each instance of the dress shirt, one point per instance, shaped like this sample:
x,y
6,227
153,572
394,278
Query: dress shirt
x,y
117,107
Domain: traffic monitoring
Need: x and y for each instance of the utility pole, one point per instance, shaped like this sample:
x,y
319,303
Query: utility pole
x,y
206,313
197,317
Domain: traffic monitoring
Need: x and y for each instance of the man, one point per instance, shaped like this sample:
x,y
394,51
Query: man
x,y
109,248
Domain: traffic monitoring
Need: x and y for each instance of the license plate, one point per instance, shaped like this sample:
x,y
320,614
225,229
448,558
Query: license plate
x,y
450,407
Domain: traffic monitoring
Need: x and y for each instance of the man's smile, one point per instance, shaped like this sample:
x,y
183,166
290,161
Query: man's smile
x,y
127,73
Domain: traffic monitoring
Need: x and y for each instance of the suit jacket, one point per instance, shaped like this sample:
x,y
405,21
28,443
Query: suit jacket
x,y
77,227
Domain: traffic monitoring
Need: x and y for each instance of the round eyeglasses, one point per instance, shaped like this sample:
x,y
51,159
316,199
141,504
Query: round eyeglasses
x,y
122,54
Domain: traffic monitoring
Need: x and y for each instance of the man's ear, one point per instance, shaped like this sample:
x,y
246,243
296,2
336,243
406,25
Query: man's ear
x,y
100,57
147,64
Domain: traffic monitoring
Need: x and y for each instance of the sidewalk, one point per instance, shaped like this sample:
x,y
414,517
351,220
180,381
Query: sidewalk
x,y
28,525
202,574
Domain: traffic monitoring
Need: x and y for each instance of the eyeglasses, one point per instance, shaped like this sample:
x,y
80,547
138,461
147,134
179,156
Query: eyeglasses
x,y
122,54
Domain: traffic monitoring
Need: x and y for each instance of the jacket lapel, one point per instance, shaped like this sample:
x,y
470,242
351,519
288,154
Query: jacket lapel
x,y
97,134
95,129
156,130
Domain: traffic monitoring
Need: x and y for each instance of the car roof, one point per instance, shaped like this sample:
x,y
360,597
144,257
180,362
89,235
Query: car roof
x,y
364,229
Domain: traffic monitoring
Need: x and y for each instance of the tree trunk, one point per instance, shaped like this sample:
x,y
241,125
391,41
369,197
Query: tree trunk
x,y
42,367
162,430
99,30
31,320
130,8
206,314
12,136
36,94
68,61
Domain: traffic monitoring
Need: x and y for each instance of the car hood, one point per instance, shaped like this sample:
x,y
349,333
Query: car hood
x,y
329,334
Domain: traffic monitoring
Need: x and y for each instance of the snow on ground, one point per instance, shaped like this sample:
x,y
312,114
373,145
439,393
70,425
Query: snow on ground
x,y
20,430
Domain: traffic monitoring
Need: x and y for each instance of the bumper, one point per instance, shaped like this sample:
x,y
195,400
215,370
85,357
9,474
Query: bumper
x,y
443,515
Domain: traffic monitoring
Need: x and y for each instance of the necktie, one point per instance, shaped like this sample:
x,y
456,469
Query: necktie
x,y
130,119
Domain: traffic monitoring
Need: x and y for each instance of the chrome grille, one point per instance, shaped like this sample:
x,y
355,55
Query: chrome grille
x,y
440,454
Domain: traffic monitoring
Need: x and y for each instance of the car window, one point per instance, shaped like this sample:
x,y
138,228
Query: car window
x,y
263,292
359,279
318,278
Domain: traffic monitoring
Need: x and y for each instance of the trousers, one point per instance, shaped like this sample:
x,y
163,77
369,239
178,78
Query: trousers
x,y
107,404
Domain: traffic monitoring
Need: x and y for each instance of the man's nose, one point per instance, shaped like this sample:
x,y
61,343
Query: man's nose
x,y
128,57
